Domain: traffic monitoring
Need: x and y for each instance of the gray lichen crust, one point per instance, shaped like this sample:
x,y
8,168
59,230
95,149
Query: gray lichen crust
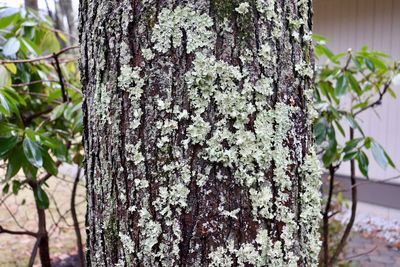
x,y
198,133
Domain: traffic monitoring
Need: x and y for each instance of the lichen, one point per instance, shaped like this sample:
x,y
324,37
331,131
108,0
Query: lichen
x,y
168,32
243,8
310,215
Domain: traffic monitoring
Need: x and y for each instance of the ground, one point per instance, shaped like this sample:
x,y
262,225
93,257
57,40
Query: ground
x,y
15,250
365,249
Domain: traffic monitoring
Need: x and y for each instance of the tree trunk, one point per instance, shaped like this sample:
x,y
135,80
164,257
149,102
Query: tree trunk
x,y
197,134
31,4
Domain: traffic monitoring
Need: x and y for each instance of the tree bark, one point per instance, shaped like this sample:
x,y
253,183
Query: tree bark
x,y
31,4
197,133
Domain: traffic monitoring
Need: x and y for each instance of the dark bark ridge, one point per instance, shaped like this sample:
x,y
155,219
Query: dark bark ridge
x,y
197,133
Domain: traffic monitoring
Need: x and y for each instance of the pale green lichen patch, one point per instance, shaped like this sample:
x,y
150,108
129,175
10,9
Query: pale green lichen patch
x,y
310,214
243,8
171,23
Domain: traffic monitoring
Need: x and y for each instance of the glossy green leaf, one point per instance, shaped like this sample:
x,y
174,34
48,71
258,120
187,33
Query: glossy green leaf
x,y
350,155
363,163
389,159
354,84
370,65
16,186
379,155
11,47
6,188
320,132
6,18
32,152
57,112
341,85
354,124
14,162
6,144
48,163
5,77
351,144
42,200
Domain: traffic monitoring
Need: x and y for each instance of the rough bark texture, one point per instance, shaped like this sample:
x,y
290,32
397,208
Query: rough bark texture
x,y
197,133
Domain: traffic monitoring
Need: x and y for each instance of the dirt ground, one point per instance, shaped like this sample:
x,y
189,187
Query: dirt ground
x,y
15,250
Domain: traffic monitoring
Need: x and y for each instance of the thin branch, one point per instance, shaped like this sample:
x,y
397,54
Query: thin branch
x,y
36,115
61,79
381,95
326,215
11,232
34,253
32,83
361,254
62,32
66,49
75,220
354,201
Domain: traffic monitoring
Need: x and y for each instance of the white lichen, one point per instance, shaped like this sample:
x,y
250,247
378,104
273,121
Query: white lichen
x,y
243,8
168,33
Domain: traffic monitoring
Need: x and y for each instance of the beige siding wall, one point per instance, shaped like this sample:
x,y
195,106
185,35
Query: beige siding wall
x,y
376,23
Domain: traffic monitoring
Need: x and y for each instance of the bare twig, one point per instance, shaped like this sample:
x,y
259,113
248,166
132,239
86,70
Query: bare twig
x,y
361,254
354,201
34,253
75,220
326,215
11,232
32,83
61,79
66,49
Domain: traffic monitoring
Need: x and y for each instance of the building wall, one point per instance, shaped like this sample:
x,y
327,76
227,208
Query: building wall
x,y
376,23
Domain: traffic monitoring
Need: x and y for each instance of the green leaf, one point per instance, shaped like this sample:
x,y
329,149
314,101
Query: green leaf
x,y
351,144
379,155
353,123
320,132
367,142
42,200
330,152
11,67
350,155
57,112
5,77
30,171
4,105
48,163
340,128
341,85
389,159
6,144
14,163
30,46
329,155
50,43
6,188
16,186
32,152
11,47
6,18
354,84
378,63
363,163
370,65
60,151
